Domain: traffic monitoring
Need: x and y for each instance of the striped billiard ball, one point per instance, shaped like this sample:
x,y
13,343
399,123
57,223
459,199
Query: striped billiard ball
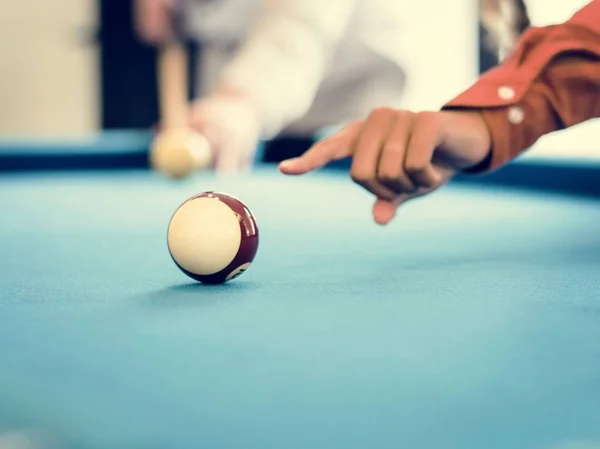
x,y
213,237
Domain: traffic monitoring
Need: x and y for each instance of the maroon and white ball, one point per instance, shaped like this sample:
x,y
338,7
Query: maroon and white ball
x,y
213,237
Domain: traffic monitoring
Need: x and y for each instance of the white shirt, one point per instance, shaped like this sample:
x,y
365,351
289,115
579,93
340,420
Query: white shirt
x,y
310,64
307,63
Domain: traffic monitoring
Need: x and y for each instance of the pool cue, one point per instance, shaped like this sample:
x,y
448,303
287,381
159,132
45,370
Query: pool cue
x,y
173,85
177,150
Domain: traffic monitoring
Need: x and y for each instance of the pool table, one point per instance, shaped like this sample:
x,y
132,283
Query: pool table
x,y
471,322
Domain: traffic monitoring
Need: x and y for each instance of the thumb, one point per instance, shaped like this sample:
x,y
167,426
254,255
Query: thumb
x,y
384,211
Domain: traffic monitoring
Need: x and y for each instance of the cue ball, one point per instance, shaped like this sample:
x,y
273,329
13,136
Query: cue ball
x,y
213,237
179,152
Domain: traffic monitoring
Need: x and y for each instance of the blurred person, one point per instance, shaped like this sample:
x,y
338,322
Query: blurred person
x,y
281,68
288,68
550,81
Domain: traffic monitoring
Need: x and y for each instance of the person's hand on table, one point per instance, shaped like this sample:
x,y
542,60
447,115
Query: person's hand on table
x,y
231,124
153,20
400,155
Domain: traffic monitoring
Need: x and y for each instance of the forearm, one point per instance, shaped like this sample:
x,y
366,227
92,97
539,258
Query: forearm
x,y
549,83
282,63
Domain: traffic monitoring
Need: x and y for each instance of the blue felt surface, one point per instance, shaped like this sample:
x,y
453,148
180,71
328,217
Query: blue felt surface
x,y
118,141
472,322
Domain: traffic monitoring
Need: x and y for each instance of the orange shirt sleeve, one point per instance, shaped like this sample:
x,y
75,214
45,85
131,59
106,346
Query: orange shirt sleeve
x,y
550,82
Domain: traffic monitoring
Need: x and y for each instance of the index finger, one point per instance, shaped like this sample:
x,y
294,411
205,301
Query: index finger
x,y
333,148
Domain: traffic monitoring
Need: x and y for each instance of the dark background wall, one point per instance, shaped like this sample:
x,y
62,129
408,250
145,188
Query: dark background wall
x,y
128,75
128,69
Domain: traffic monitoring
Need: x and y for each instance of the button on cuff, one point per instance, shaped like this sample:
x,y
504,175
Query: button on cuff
x,y
506,93
516,115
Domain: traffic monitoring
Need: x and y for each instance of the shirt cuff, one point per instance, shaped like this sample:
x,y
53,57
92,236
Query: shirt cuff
x,y
515,103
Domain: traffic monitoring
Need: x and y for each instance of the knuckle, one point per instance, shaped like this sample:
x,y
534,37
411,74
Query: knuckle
x,y
399,182
359,176
390,181
429,184
381,111
415,168
388,177
403,114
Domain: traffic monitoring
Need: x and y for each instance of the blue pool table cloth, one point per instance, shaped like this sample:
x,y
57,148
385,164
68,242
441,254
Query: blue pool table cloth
x,y
471,322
